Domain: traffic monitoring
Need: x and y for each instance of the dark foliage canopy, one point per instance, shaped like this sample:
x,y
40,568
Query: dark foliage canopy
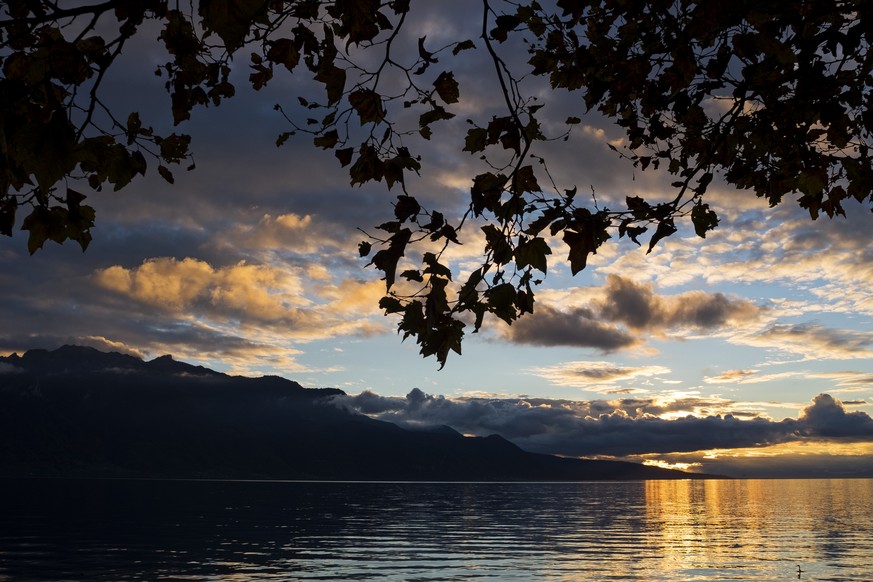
x,y
774,97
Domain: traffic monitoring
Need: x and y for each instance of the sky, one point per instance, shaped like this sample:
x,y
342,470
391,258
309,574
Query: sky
x,y
749,353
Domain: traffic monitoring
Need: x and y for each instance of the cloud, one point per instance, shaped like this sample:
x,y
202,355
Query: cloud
x,y
246,308
613,314
245,317
848,381
827,417
637,306
257,291
107,345
579,328
631,426
828,263
256,297
351,297
751,377
812,341
597,376
290,234
732,377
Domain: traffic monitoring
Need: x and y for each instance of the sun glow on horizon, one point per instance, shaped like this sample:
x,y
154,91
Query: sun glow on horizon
x,y
691,467
827,457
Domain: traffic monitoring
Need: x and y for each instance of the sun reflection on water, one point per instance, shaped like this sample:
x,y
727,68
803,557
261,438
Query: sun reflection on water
x,y
737,524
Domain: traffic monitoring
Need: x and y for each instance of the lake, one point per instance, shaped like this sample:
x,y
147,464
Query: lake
x,y
231,530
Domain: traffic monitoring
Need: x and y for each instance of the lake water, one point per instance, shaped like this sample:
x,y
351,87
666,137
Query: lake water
x,y
654,530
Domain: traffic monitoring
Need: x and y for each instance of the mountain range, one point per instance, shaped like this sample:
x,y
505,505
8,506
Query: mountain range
x,y
79,412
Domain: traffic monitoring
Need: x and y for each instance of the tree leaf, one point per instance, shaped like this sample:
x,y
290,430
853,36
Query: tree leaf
x,y
476,140
525,180
284,52
283,137
367,167
584,237
368,105
37,225
665,229
345,156
231,20
7,216
505,23
501,302
386,259
500,248
413,322
532,253
166,174
334,80
703,219
425,55
486,191
412,275
391,305
436,114
434,267
463,46
174,147
328,140
447,87
406,208
46,149
639,207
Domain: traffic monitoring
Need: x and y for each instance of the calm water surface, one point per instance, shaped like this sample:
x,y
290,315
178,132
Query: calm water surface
x,y
655,530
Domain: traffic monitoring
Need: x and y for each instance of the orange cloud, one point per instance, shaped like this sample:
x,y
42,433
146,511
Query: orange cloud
x,y
257,291
256,300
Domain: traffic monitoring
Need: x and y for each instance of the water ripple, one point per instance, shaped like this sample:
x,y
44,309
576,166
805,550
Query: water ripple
x,y
657,530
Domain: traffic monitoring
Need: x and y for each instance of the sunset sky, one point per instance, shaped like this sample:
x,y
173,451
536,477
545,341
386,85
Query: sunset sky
x,y
747,353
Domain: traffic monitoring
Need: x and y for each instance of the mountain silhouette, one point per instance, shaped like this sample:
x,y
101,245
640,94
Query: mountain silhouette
x,y
77,411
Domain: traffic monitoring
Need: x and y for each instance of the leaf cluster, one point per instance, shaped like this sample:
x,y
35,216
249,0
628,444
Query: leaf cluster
x,y
771,97
55,131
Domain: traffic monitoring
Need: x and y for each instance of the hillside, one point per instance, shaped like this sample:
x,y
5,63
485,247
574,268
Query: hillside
x,y
76,411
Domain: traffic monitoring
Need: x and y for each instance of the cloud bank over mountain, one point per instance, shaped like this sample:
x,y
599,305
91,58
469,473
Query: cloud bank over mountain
x,y
627,427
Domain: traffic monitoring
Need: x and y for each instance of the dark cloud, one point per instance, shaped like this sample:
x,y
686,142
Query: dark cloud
x,y
827,417
580,328
631,426
628,303
707,311
624,307
637,306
